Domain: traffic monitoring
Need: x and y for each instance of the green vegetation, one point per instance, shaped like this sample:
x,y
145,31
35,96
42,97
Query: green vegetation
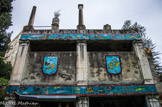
x,y
5,22
4,81
5,70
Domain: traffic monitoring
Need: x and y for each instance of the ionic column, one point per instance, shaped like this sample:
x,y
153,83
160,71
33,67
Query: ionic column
x,y
81,64
146,70
18,69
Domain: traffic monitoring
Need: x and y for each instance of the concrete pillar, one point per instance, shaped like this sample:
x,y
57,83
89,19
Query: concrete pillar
x,y
81,25
82,102
18,69
32,16
82,64
29,27
146,70
153,101
80,7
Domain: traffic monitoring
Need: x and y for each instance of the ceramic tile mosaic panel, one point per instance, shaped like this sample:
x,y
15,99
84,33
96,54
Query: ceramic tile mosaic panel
x,y
83,90
50,65
113,64
80,36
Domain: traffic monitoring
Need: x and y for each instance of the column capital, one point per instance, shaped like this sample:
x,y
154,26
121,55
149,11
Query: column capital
x,y
22,42
138,42
153,96
80,6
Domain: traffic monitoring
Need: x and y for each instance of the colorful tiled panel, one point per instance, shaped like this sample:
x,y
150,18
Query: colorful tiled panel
x,y
82,90
79,36
50,65
113,64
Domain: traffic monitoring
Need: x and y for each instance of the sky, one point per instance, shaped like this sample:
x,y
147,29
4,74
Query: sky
x,y
97,13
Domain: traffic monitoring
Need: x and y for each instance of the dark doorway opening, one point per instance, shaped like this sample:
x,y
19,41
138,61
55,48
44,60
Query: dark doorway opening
x,y
118,101
57,104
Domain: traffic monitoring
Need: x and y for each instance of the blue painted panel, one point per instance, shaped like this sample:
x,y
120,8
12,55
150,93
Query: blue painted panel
x,y
80,36
113,64
82,90
50,65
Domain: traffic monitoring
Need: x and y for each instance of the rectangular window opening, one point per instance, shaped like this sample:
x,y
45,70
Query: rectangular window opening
x,y
52,46
109,46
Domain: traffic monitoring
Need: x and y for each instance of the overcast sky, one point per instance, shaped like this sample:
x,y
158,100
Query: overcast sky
x,y
97,13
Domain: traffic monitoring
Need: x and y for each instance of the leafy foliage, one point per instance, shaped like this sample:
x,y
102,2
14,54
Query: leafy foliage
x,y
134,27
5,22
57,14
4,41
148,44
4,81
2,89
6,69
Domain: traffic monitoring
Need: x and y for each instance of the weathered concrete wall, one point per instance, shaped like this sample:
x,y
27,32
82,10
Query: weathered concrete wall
x,y
97,73
145,66
16,75
66,73
81,64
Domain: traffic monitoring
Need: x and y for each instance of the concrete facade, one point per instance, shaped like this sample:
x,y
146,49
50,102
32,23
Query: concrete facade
x,y
33,69
19,64
10,55
146,70
131,69
82,64
84,73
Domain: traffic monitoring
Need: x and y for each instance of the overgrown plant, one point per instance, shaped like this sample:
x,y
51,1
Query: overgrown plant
x,y
5,22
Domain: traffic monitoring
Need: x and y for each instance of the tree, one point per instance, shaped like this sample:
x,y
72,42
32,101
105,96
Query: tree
x,y
148,44
5,22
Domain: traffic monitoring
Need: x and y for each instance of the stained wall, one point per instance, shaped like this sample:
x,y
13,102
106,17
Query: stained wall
x,y
130,68
96,68
33,73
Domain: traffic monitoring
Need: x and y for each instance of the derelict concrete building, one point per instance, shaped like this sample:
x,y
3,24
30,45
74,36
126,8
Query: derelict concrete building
x,y
82,67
